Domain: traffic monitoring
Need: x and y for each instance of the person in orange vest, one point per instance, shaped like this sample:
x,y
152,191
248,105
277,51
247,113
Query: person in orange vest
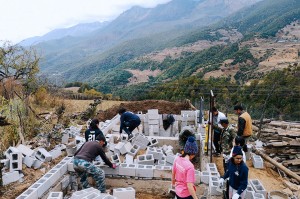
x,y
244,124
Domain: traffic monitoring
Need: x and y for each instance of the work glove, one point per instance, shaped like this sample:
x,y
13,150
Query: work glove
x,y
236,196
114,166
221,182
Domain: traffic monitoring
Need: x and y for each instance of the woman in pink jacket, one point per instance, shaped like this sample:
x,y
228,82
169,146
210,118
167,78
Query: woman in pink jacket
x,y
183,176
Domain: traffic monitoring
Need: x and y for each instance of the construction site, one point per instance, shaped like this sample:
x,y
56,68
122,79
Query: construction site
x,y
42,168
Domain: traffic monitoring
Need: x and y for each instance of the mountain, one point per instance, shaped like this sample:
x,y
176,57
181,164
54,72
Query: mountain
x,y
244,46
137,26
75,31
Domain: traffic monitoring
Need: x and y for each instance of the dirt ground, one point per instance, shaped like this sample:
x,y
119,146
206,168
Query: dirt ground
x,y
164,107
269,178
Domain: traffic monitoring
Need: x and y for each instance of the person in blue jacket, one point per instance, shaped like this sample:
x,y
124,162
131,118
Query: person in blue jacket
x,y
238,174
93,131
128,121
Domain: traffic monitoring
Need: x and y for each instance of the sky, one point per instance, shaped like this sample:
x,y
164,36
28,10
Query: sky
x,y
21,19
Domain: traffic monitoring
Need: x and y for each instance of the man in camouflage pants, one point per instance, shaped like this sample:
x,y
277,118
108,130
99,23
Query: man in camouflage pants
x,y
227,137
83,163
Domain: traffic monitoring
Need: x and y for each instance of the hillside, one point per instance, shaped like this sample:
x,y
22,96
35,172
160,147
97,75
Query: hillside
x,y
128,33
216,52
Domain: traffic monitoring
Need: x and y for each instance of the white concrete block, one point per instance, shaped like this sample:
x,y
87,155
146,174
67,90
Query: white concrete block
x,y
213,184
117,149
128,159
65,138
126,148
55,195
153,142
71,167
15,162
116,159
43,155
127,169
144,171
134,150
10,150
5,162
28,194
153,111
145,159
197,177
29,161
25,150
258,196
162,172
10,177
124,193
204,177
110,171
249,192
258,187
55,153
37,164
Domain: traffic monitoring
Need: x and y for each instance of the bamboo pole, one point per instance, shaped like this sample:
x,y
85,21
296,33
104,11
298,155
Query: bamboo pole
x,y
276,164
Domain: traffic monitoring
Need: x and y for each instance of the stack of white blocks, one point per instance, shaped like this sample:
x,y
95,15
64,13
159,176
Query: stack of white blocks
x,y
258,187
38,189
153,122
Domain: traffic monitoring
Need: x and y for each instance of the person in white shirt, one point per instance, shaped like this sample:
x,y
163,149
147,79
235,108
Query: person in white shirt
x,y
217,115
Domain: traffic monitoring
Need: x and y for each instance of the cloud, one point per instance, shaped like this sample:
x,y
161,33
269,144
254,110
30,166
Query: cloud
x,y
20,19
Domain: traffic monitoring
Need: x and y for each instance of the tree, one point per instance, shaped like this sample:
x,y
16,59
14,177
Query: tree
x,y
17,64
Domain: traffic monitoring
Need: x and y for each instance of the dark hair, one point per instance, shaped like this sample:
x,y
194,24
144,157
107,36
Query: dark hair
x,y
238,107
214,109
122,110
101,138
239,140
94,123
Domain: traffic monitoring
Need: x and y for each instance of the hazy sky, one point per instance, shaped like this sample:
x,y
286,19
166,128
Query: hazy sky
x,y
21,19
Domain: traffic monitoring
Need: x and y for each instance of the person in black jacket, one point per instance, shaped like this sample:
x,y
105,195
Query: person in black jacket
x,y
83,163
93,131
128,121
238,175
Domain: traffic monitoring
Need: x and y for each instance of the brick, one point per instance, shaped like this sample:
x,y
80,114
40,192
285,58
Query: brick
x,y
28,194
249,192
125,148
162,172
134,150
213,185
43,155
153,142
152,111
258,196
124,193
129,159
144,171
117,149
110,171
37,164
10,177
15,162
55,153
258,187
145,159
55,195
204,177
197,177
127,169
25,150
5,162
11,150
29,161
116,159
65,138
